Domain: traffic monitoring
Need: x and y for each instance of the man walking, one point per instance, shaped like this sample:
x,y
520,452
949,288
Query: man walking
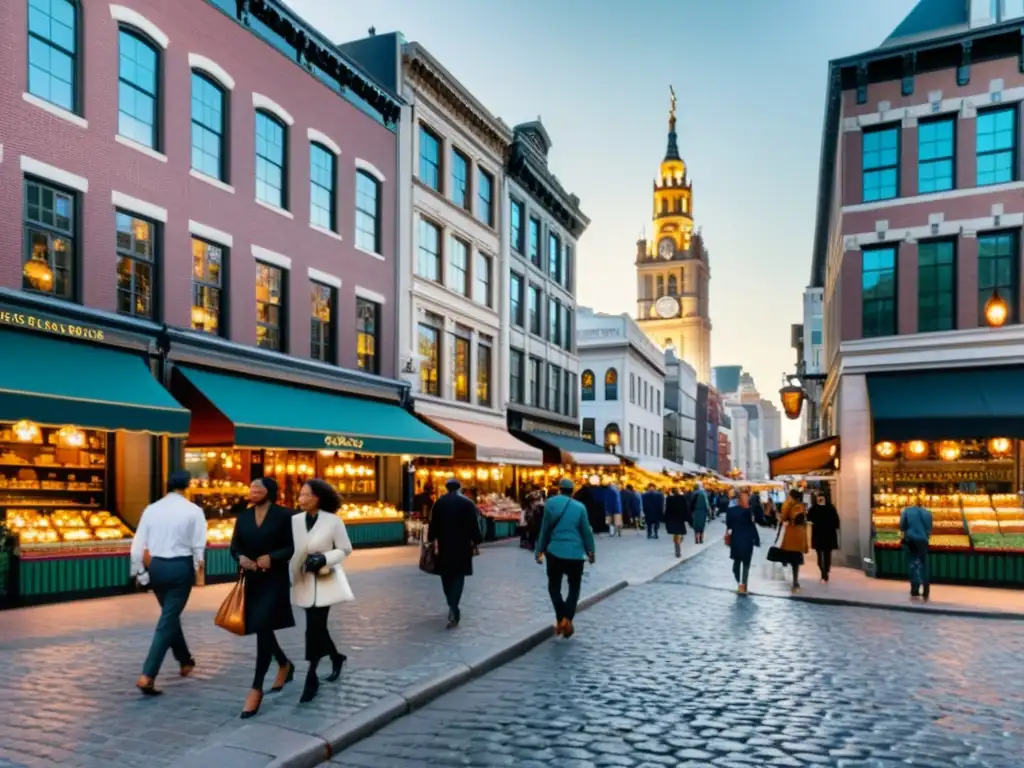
x,y
567,539
455,533
916,524
631,513
167,552
654,510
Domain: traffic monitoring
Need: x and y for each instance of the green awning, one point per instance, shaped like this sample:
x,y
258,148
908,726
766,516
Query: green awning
x,y
566,449
953,404
264,414
55,382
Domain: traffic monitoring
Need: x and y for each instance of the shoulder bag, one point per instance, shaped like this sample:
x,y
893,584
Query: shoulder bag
x,y
231,614
775,554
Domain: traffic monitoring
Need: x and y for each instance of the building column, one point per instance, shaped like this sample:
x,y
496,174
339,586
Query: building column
x,y
907,287
854,485
502,353
967,312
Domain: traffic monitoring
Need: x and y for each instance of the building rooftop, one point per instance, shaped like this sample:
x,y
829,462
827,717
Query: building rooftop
x,y
930,18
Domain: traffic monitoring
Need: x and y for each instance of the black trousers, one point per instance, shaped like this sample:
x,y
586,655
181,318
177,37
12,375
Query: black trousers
x,y
824,562
453,584
267,650
318,639
565,608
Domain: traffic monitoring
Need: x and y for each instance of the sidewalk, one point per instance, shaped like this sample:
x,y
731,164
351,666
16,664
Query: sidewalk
x,y
70,669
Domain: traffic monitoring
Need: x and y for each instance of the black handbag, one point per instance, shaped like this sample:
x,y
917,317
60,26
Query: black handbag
x,y
776,554
428,558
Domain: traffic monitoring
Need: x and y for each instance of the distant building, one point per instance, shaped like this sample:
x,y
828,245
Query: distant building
x,y
726,378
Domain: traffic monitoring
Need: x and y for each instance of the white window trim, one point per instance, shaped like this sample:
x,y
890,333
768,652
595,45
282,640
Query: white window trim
x,y
324,231
370,168
375,255
273,258
323,277
205,232
210,67
322,138
211,181
366,293
274,208
133,18
141,207
259,101
52,173
148,151
54,110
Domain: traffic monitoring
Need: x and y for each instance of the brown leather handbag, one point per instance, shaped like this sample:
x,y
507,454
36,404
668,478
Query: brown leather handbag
x,y
231,614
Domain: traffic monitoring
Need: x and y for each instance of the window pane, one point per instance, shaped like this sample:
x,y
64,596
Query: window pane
x,y
367,320
137,89
321,187
134,242
52,64
269,303
270,155
430,159
321,336
458,267
430,359
996,145
485,197
460,370
516,225
878,285
50,258
460,179
207,262
880,163
428,256
998,259
936,287
936,153
367,212
482,280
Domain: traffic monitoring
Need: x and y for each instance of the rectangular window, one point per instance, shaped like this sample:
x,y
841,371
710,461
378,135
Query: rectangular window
x,y
50,258
208,127
460,369
367,212
632,388
554,401
534,309
567,267
483,373
535,241
321,323
658,396
458,267
936,155
632,437
428,252
516,233
485,197
270,160
52,52
137,89
881,163
998,256
567,393
589,428
573,395
878,287
554,257
515,289
460,179
567,329
430,359
554,321
997,145
536,383
208,263
367,324
136,260
516,363
936,286
430,159
269,307
321,188
482,280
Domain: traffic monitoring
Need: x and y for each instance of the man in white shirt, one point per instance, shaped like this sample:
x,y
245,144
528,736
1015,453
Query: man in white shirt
x,y
168,550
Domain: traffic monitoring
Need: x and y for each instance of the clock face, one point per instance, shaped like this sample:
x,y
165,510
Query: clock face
x,y
666,248
667,306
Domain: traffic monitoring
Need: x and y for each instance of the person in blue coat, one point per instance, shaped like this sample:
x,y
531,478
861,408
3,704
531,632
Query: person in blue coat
x,y
613,509
631,510
700,512
653,503
742,537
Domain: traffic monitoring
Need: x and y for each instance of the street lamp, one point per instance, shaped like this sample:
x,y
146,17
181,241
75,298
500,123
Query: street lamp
x,y
996,310
613,441
792,396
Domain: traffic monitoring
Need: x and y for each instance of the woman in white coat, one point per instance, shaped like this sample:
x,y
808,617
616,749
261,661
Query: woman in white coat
x,y
318,581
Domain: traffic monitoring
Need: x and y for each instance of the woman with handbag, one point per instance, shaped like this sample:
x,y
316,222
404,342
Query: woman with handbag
x,y
794,538
318,581
262,544
741,537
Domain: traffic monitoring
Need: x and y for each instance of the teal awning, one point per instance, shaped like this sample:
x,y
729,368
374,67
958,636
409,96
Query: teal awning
x,y
265,414
953,404
56,382
566,449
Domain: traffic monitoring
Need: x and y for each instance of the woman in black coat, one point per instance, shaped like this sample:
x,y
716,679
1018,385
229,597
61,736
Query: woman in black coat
x,y
455,534
676,514
262,543
824,520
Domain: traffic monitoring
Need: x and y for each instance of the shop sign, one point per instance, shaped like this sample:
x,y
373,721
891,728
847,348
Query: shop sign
x,y
341,441
37,323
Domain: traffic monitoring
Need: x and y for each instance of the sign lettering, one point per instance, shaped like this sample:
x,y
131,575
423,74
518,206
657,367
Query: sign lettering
x,y
36,323
340,441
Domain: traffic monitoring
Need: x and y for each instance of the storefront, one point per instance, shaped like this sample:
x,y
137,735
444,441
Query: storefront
x,y
82,428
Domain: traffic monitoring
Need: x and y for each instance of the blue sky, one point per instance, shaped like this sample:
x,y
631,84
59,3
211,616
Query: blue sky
x,y
750,77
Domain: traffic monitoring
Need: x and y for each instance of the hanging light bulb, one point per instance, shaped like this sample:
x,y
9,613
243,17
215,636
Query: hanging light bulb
x,y
26,431
72,437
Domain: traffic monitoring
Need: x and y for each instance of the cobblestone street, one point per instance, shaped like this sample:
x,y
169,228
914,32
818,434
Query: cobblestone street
x,y
69,670
676,674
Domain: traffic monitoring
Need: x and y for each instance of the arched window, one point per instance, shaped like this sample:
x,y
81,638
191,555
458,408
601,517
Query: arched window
x,y
138,82
587,385
368,211
612,438
673,286
271,159
208,126
611,384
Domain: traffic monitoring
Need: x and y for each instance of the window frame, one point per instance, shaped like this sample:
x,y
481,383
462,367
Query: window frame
x,y
588,392
222,294
485,205
362,303
1010,292
896,130
466,189
362,175
285,139
611,384
438,164
517,313
535,381
1014,151
77,102
483,279
554,269
460,247
553,390
154,265
922,246
554,318
951,121
282,308
316,147
516,224
462,341
894,297
72,234
438,358
484,371
329,328
535,313
223,146
517,375
146,40
534,244
436,258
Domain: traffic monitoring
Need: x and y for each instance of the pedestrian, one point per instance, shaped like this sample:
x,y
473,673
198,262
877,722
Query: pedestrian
x,y
824,520
318,580
916,524
631,508
741,536
794,534
262,544
700,509
613,509
566,539
167,553
675,519
653,504
455,534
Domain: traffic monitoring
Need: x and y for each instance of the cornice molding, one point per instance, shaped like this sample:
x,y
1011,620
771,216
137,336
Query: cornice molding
x,y
546,191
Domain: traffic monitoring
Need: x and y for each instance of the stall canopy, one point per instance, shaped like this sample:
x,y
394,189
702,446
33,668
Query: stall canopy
x,y
252,413
816,456
948,404
487,444
564,449
54,382
661,466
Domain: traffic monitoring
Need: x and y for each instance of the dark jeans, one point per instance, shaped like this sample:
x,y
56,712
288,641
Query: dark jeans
x,y
172,580
741,570
652,530
824,562
453,586
267,650
318,639
917,555
573,570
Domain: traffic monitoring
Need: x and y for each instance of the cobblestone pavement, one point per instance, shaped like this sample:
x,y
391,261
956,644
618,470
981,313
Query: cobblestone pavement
x,y
669,674
68,695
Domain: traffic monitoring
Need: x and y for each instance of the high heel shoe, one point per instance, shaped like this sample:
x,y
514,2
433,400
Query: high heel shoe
x,y
336,664
309,690
279,684
250,710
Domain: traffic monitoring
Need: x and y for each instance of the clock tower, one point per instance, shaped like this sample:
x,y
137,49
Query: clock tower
x,y
672,268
